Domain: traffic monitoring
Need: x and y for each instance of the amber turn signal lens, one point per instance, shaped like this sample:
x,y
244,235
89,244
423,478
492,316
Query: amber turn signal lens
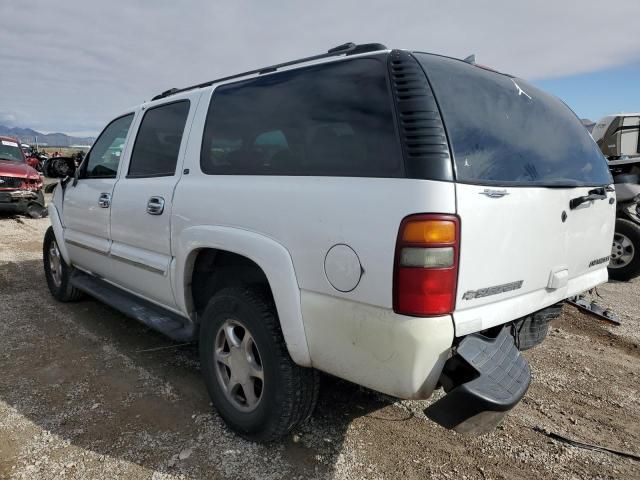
x,y
429,232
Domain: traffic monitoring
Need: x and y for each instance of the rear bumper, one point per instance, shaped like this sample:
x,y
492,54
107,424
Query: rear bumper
x,y
484,379
500,311
375,347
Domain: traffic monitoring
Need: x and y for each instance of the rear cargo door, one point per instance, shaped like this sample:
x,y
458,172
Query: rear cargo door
x,y
517,254
537,216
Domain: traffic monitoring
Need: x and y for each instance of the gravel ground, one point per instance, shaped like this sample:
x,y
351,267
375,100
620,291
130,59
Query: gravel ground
x,y
82,397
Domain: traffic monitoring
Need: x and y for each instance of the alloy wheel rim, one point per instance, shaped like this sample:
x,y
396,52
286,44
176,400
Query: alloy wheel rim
x,y
238,366
55,264
622,251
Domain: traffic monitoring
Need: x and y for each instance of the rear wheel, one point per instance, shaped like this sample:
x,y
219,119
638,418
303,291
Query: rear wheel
x,y
253,383
625,251
56,270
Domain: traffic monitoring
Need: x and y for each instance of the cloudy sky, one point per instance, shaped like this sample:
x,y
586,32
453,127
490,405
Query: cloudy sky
x,y
72,65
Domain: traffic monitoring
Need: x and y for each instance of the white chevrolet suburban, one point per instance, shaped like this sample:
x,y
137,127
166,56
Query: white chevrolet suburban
x,y
402,220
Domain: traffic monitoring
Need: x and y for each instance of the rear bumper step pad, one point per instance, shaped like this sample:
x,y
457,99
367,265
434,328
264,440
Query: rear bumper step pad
x,y
484,379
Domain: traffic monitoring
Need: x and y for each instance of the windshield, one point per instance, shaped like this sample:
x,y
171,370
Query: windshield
x,y
504,131
10,150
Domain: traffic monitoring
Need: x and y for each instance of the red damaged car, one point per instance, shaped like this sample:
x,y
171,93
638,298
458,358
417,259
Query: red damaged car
x,y
20,185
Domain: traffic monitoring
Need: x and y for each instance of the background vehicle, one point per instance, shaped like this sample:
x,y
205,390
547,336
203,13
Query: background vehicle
x,y
618,136
625,251
20,184
329,214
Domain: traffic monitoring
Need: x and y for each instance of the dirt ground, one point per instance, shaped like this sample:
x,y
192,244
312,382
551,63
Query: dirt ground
x,y
83,395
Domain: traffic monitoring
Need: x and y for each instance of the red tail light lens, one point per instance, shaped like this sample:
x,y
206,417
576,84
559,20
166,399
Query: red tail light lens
x,y
426,265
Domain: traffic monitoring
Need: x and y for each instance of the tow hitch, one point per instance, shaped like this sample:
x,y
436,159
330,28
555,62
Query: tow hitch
x,y
484,379
582,303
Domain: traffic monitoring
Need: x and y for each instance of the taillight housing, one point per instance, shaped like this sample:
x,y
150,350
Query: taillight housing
x,y
426,265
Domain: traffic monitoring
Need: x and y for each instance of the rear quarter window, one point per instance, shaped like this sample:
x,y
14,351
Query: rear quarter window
x,y
505,131
328,120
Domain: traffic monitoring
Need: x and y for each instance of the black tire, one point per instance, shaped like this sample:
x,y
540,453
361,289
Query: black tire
x,y
62,291
288,393
37,208
630,230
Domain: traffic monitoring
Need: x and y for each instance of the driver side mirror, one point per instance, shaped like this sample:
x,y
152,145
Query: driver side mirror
x,y
60,167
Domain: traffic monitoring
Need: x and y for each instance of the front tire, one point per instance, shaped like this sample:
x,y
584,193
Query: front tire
x,y
56,270
253,383
625,252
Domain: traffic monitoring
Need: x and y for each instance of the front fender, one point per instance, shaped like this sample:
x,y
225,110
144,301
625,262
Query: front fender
x,y
54,217
269,255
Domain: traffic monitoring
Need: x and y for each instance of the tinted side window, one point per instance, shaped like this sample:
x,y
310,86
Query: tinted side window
x,y
103,158
333,119
504,131
155,152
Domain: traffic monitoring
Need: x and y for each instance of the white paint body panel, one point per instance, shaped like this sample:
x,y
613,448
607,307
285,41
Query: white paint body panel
x,y
373,346
85,220
58,230
363,213
141,242
271,256
521,237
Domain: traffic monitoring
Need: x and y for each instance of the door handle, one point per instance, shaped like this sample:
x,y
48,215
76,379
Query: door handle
x,y
155,206
104,201
595,194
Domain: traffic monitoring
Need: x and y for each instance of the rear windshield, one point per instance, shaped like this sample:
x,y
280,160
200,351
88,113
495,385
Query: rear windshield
x,y
504,131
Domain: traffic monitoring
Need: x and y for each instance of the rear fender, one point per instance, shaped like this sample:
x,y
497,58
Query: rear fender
x,y
269,255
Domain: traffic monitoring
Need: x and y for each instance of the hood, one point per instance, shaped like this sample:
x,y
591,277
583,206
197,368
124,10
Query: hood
x,y
17,169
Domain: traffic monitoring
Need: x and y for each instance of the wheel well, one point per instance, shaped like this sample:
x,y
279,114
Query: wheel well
x,y
215,269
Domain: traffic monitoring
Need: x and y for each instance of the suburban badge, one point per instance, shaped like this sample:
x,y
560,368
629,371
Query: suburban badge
x,y
485,292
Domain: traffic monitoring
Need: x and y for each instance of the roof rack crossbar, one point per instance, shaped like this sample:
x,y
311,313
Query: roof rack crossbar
x,y
345,49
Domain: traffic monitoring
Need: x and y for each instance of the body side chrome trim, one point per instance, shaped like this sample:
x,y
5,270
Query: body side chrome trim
x,y
137,264
86,247
117,257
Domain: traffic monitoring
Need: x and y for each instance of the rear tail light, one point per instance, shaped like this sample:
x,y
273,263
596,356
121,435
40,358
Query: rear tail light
x,y
426,265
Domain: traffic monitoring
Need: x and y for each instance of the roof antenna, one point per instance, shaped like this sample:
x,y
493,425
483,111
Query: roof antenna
x,y
471,59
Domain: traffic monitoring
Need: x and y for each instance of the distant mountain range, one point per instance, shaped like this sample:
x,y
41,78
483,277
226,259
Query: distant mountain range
x,y
29,136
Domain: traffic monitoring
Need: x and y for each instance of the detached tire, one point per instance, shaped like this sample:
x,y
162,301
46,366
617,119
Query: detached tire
x,y
57,272
253,383
37,209
625,252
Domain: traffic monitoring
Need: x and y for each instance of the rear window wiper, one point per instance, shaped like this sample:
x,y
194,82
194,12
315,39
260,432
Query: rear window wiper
x,y
595,194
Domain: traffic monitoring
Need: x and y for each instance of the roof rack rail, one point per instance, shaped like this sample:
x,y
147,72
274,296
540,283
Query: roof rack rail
x,y
344,49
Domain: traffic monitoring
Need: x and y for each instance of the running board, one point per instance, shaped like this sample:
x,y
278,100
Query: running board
x,y
171,324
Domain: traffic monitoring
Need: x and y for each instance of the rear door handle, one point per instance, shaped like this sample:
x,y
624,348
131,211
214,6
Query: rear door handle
x,y
155,206
104,200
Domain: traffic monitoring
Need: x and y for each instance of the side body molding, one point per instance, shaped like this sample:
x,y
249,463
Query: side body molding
x,y
268,254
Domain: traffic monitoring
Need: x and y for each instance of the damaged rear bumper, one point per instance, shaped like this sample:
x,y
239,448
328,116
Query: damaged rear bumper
x,y
484,379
